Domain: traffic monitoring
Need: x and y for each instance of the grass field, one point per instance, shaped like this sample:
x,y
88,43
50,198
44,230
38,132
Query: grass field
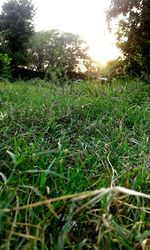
x,y
75,166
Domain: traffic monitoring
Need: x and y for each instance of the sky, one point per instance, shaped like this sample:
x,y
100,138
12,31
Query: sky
x,y
84,17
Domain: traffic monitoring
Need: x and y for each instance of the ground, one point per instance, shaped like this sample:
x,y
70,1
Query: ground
x,y
60,144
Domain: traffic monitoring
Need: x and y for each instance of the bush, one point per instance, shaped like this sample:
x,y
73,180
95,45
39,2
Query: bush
x,y
5,66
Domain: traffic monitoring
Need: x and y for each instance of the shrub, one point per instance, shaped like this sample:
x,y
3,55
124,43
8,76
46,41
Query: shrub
x,y
5,66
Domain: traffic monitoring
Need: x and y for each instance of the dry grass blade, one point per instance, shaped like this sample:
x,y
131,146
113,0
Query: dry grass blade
x,y
130,192
81,196
28,237
13,225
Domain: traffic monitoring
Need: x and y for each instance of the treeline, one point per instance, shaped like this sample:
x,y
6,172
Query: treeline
x,y
45,53
60,54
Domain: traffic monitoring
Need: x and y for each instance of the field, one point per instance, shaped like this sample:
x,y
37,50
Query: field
x,y
75,165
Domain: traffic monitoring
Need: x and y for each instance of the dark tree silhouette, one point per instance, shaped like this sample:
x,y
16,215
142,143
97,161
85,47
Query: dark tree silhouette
x,y
16,27
133,32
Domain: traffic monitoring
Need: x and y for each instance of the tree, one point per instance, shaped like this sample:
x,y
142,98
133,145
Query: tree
x,y
40,45
55,49
16,27
133,32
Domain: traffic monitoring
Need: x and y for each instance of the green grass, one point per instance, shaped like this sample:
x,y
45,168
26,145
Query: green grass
x,y
64,156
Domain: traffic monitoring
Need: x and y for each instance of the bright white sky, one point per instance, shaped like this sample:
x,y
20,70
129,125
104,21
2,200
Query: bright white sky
x,y
85,17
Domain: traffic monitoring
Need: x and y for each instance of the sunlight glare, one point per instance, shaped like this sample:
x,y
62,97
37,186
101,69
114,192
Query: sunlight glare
x,y
86,18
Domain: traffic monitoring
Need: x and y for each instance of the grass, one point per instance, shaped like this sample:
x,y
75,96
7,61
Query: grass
x,y
75,166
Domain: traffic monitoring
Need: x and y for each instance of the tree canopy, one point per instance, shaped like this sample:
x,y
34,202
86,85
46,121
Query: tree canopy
x,y
133,33
57,49
16,26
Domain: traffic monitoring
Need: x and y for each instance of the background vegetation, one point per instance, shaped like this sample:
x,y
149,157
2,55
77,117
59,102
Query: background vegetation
x,y
40,51
74,154
133,33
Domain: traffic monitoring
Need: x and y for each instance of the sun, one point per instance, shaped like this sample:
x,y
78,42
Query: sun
x,y
104,48
86,18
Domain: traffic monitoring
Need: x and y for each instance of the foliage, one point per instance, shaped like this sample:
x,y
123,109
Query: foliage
x,y
1,42
40,45
5,61
57,50
56,75
16,26
93,69
133,32
114,68
56,147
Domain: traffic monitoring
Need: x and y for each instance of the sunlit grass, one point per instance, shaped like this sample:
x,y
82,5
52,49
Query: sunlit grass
x,y
75,166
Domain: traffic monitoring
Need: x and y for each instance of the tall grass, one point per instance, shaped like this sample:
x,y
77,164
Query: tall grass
x,y
75,166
